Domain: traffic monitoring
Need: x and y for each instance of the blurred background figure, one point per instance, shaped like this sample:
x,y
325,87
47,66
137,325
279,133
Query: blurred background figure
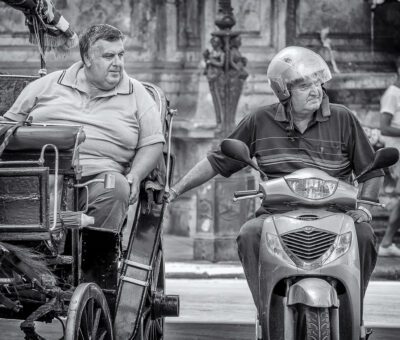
x,y
390,129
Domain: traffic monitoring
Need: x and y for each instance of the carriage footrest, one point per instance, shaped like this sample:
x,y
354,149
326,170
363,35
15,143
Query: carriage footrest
x,y
165,305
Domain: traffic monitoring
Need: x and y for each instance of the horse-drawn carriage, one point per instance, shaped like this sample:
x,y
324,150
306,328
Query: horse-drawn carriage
x,y
50,263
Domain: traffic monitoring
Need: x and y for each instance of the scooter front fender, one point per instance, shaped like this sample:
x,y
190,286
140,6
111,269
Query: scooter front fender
x,y
313,292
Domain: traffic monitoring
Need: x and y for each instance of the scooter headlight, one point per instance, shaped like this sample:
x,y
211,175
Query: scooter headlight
x,y
312,188
338,249
275,247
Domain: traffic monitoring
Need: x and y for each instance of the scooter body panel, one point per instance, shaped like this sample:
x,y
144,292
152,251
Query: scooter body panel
x,y
275,269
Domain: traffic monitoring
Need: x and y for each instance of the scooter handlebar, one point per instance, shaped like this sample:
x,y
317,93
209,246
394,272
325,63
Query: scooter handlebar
x,y
246,194
242,193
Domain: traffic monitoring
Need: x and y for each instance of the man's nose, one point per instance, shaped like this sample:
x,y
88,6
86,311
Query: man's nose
x,y
314,89
118,60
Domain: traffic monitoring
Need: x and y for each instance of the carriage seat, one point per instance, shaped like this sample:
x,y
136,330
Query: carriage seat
x,y
27,142
27,181
65,137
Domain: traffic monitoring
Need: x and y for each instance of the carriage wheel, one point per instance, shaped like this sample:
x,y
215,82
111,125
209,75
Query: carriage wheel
x,y
152,325
88,315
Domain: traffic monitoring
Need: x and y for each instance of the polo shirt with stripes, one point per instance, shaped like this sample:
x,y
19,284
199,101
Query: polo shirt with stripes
x,y
333,141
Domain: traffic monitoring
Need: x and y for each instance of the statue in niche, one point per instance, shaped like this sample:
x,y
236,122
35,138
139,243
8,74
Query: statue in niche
x,y
248,14
215,60
215,64
237,61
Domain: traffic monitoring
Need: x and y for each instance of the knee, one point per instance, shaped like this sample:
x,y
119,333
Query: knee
x,y
250,231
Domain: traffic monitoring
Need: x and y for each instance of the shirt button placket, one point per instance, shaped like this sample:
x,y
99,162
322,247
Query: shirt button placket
x,y
87,104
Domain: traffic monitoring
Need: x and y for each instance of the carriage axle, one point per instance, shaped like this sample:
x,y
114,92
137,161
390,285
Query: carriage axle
x,y
165,305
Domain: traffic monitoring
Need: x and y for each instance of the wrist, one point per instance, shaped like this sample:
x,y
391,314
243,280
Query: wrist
x,y
174,191
366,211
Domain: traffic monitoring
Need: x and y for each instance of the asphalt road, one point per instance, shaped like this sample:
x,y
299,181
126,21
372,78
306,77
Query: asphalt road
x,y
222,309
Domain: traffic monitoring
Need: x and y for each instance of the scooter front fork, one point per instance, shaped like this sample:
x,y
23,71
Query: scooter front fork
x,y
289,321
334,316
258,328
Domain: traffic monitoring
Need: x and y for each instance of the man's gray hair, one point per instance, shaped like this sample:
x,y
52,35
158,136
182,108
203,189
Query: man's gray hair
x,y
97,32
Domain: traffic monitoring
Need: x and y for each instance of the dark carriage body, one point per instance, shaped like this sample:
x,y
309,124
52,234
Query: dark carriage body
x,y
131,280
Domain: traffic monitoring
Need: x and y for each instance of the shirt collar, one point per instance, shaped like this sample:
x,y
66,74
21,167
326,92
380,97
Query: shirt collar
x,y
323,113
69,78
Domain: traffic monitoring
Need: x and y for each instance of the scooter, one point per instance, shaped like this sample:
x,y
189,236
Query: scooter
x,y
309,268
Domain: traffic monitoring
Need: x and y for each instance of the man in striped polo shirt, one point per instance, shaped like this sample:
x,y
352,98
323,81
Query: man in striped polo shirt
x,y
302,130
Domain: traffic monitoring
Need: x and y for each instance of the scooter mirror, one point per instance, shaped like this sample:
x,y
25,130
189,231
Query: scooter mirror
x,y
236,149
239,151
383,158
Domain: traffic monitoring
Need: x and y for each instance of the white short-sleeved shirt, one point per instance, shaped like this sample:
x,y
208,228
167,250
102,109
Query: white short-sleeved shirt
x,y
390,103
116,122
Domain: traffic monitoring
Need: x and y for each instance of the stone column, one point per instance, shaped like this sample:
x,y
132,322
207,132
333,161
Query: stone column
x,y
225,68
218,217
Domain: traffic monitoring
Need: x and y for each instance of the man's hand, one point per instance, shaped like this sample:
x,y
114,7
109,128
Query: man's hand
x,y
369,190
171,195
359,215
134,183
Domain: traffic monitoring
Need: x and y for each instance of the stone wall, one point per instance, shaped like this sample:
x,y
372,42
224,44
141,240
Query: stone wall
x,y
165,40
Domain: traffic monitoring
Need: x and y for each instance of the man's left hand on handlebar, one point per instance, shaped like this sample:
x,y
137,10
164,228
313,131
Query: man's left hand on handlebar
x,y
361,214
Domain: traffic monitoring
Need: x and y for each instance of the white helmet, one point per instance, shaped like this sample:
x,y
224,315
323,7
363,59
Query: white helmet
x,y
293,64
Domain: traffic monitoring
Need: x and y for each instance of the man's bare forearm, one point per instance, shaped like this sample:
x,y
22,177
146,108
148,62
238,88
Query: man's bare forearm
x,y
386,125
199,174
145,160
2,118
390,131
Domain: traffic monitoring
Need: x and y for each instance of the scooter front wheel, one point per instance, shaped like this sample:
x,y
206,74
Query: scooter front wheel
x,y
316,323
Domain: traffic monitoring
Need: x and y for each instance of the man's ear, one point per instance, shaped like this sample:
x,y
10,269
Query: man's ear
x,y
87,61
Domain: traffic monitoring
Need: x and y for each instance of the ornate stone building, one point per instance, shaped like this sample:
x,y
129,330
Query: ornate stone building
x,y
165,40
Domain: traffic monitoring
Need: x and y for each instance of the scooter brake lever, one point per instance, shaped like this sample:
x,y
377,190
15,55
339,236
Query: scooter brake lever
x,y
377,204
235,199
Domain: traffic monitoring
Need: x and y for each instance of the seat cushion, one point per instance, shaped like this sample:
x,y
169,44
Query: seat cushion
x,y
33,137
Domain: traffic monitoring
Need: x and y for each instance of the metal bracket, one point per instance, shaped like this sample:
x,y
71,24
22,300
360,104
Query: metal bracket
x,y
138,265
135,281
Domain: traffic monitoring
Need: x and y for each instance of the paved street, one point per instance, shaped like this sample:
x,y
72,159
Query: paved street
x,y
229,301
222,309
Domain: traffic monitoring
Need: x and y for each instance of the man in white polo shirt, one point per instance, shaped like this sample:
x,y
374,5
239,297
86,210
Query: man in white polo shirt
x,y
121,121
